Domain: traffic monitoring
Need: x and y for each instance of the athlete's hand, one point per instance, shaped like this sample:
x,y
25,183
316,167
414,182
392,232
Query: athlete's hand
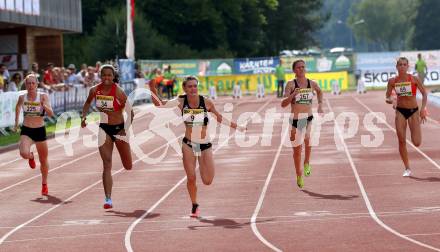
x,y
423,115
295,92
15,129
241,128
83,122
389,100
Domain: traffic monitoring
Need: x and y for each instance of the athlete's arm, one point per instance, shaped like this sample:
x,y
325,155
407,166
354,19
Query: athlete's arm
x,y
388,93
171,103
211,108
122,97
46,105
319,94
153,89
288,94
17,111
86,106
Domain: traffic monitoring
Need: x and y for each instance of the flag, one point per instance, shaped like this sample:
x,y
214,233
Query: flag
x,y
129,48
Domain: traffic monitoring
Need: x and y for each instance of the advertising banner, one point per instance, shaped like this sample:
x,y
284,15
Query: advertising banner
x,y
324,63
255,65
8,100
432,59
126,70
248,83
182,67
215,67
147,66
377,68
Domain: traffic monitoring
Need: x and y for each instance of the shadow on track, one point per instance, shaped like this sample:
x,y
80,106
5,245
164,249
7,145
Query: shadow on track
x,y
330,196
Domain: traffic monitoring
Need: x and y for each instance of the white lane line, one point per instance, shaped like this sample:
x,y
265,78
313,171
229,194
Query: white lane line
x,y
130,229
66,200
433,120
364,193
60,145
389,126
263,194
273,219
65,164
36,155
50,170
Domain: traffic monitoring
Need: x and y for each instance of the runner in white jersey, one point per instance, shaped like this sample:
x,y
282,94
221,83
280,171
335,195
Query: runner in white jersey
x,y
35,105
299,94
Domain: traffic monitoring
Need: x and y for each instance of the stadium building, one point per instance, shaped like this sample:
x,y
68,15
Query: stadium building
x,y
32,31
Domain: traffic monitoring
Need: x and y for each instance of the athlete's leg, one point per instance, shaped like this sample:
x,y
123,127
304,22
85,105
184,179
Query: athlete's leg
x,y
189,163
308,147
42,156
415,129
401,136
25,147
124,150
106,150
206,163
297,148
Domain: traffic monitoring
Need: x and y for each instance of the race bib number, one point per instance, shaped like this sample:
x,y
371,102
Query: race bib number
x,y
403,89
193,116
304,96
104,102
32,108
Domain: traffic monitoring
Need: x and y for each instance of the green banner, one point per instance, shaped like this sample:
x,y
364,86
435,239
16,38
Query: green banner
x,y
323,63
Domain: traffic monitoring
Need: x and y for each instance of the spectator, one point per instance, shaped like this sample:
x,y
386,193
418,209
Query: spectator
x,y
169,79
91,78
57,75
281,78
137,72
3,79
14,84
36,72
72,78
48,75
97,66
82,73
421,68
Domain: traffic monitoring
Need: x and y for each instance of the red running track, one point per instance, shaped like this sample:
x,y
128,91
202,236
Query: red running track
x,y
355,200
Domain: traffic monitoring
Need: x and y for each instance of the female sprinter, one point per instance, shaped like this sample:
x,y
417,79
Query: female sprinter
x,y
110,101
407,112
299,94
196,145
35,105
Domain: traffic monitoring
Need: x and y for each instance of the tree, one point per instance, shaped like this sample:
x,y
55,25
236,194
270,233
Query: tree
x,y
194,28
426,35
109,37
291,25
336,32
386,22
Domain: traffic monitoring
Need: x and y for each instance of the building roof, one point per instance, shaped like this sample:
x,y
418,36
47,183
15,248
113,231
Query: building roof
x,y
62,15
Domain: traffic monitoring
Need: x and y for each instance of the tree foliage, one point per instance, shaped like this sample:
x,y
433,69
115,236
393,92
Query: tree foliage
x,y
426,35
194,28
291,25
386,22
336,32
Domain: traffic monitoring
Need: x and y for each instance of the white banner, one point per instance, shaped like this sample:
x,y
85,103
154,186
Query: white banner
x,y
379,78
8,101
129,47
10,61
432,59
